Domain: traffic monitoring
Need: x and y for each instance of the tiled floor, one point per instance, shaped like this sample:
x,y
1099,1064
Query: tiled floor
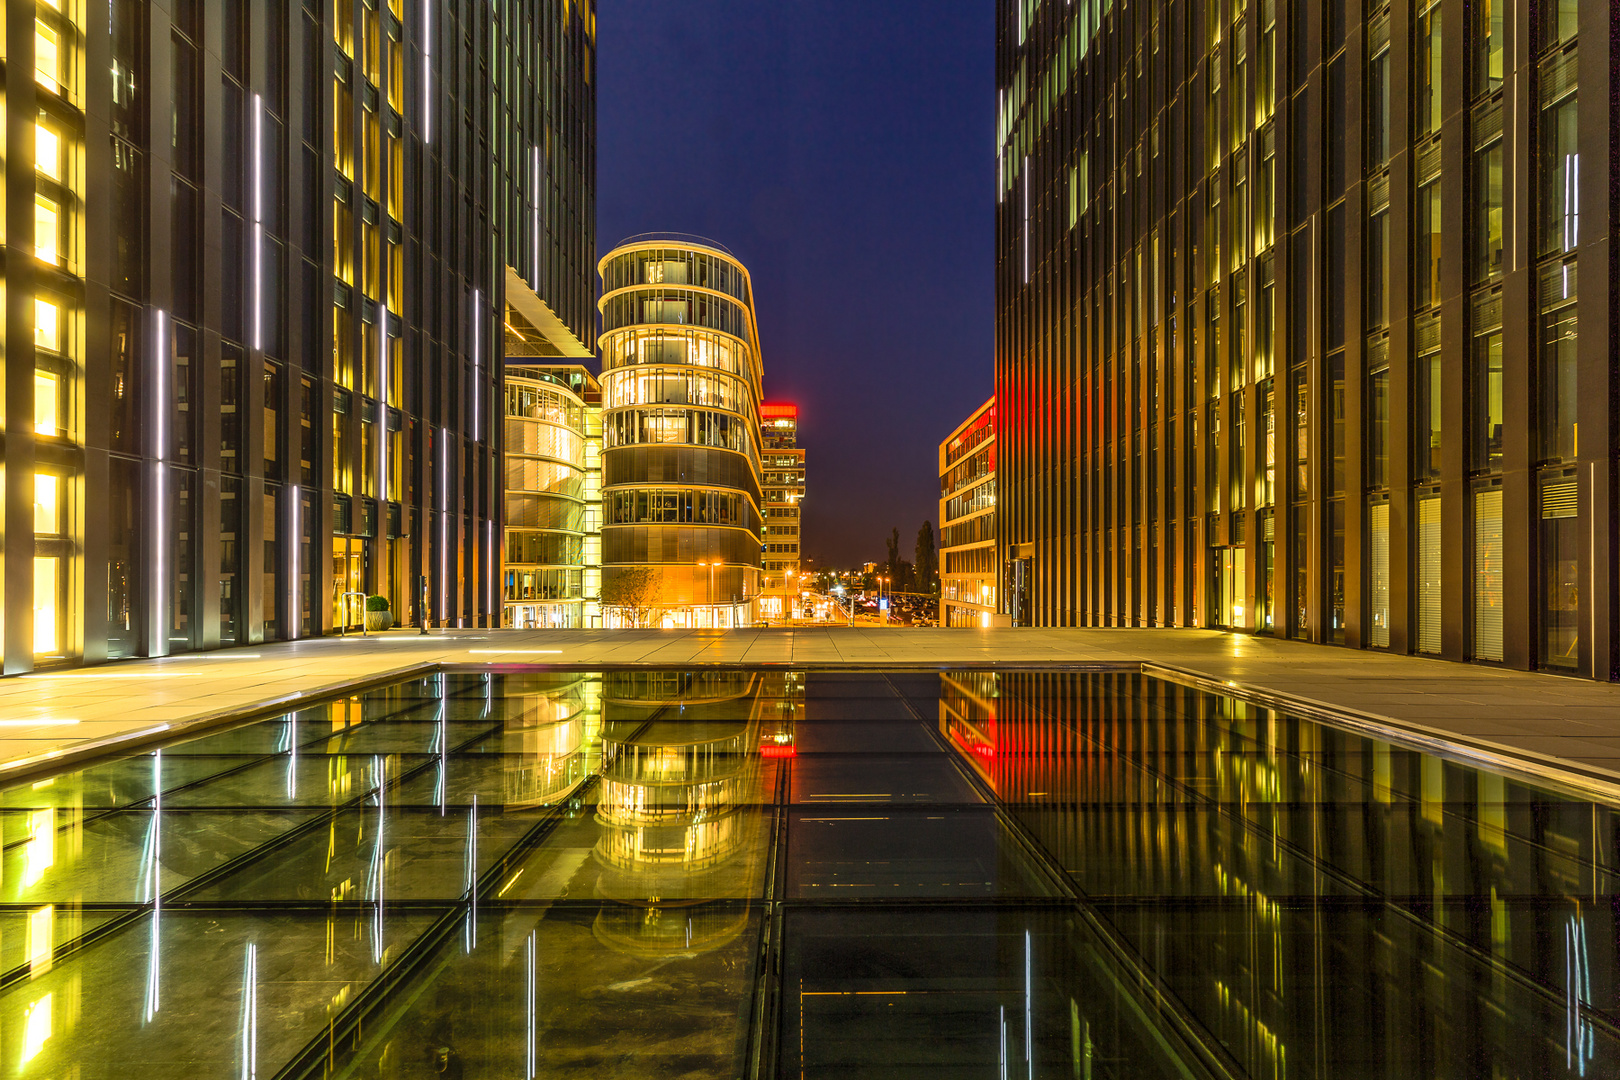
x,y
44,717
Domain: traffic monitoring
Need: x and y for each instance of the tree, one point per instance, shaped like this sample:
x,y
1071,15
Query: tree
x,y
894,552
927,561
634,592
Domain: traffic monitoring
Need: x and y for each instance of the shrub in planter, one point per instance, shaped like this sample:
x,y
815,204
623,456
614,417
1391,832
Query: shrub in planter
x,y
378,616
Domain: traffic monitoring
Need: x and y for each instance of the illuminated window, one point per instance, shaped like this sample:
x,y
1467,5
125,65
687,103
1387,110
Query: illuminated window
x,y
47,326
47,505
47,405
47,152
47,57
37,1028
46,571
47,228
41,938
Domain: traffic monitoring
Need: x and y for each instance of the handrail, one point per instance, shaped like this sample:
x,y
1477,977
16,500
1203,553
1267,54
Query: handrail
x,y
677,237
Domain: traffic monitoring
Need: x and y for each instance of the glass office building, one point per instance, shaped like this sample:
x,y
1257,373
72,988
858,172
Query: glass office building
x,y
969,565
1303,322
681,483
256,261
553,496
784,513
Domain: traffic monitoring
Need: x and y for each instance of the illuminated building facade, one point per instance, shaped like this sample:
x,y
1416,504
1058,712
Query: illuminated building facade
x,y
1303,322
257,263
553,496
969,566
681,490
784,494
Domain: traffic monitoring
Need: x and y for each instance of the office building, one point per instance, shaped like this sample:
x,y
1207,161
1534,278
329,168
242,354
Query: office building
x,y
258,258
1303,323
681,491
784,494
553,496
969,565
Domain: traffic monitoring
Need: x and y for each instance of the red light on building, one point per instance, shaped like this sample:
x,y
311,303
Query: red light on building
x,y
778,410
771,751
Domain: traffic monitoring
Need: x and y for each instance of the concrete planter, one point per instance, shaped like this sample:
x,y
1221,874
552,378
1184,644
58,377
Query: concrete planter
x,y
379,620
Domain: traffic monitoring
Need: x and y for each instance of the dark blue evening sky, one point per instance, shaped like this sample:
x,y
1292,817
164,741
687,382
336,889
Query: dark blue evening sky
x,y
845,152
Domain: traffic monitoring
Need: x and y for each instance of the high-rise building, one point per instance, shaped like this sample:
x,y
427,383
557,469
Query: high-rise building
x,y
681,469
969,564
1303,322
784,494
553,496
258,258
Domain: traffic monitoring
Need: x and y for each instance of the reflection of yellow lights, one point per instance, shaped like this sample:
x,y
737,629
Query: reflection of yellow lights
x,y
39,853
36,1028
41,938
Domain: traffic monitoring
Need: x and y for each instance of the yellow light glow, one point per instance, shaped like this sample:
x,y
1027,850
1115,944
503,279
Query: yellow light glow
x,y
47,504
39,851
47,325
47,410
47,222
36,1028
47,152
47,57
46,641
41,938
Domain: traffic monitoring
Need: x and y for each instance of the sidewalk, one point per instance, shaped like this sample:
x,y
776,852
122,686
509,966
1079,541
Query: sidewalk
x,y
47,717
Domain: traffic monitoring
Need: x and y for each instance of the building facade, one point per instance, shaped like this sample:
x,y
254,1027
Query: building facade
x,y
784,496
681,475
969,557
553,497
257,255
1303,322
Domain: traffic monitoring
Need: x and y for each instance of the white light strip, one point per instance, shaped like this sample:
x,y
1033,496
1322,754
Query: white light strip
x,y
533,1029
477,316
160,532
294,618
250,1014
427,70
489,570
258,222
1026,220
510,652
382,407
444,524
534,280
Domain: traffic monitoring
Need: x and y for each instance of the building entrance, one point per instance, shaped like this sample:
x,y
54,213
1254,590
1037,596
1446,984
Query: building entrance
x,y
348,578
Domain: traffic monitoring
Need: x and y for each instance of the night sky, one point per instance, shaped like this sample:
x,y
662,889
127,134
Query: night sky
x,y
844,151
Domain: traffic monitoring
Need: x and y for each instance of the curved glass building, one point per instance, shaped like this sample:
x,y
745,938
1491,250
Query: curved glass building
x,y
680,416
552,494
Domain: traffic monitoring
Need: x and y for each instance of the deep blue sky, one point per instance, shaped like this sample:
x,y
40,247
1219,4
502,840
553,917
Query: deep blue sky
x,y
844,151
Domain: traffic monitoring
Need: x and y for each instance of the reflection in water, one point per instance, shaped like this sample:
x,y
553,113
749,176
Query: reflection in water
x,y
559,874
1311,897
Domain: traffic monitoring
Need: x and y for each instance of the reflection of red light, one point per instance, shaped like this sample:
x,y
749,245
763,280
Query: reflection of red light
x,y
983,749
778,751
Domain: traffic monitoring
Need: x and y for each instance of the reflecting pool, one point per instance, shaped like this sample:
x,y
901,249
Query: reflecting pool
x,y
731,873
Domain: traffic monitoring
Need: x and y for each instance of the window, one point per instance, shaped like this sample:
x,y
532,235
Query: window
x,y
48,152
1488,40
1488,574
47,601
1488,212
1426,267
1428,432
47,403
1560,572
1559,435
1377,96
1560,169
47,505
47,326
1378,268
1428,567
47,230
1426,79
1487,395
47,57
1378,575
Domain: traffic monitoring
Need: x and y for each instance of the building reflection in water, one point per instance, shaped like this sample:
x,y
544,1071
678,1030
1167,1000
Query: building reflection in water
x,y
1307,897
681,787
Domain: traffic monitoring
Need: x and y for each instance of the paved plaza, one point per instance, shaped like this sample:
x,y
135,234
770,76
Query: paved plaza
x,y
1520,721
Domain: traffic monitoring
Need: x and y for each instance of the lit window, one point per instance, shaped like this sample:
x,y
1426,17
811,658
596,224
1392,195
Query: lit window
x,y
41,938
47,57
47,505
47,225
47,406
47,326
36,1027
47,152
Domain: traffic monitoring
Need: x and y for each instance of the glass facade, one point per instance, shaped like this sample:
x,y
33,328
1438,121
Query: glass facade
x,y
1354,232
783,461
553,497
682,455
258,256
969,568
